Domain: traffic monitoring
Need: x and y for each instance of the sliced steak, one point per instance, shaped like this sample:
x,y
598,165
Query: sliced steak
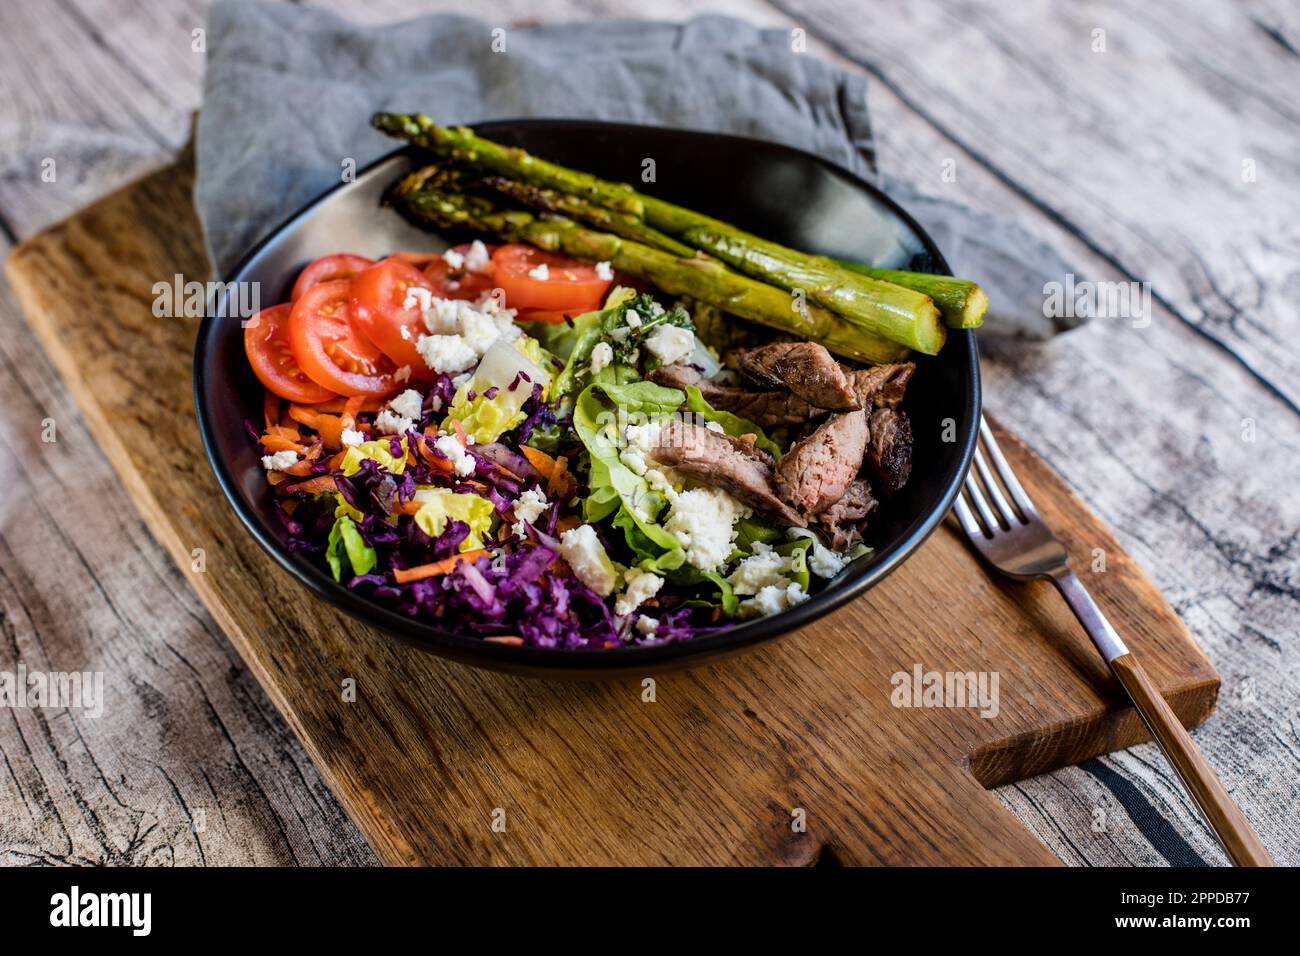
x,y
762,408
724,462
889,451
882,385
844,520
806,369
818,469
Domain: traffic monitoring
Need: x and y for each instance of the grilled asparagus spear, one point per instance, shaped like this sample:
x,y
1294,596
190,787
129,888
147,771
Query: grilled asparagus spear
x,y
427,197
886,310
961,302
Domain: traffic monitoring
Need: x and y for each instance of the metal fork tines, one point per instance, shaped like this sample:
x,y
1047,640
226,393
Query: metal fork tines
x,y
1005,528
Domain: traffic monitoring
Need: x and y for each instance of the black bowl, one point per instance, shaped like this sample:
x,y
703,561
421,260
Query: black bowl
x,y
775,191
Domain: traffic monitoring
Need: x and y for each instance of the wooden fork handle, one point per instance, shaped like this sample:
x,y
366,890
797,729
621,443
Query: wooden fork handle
x,y
1234,830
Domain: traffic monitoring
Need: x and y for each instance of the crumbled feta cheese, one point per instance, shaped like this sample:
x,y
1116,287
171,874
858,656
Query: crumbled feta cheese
x,y
353,437
603,271
671,343
602,356
477,256
646,624
634,458
407,404
584,553
540,272
822,561
446,353
435,403
406,332
418,297
633,319
462,462
703,520
461,332
662,482
455,260
715,427
280,460
388,422
764,568
478,330
773,599
619,334
639,587
529,506
641,439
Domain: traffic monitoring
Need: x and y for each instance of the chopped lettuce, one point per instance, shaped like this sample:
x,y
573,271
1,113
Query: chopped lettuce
x,y
346,539
610,325
500,386
380,451
600,414
438,506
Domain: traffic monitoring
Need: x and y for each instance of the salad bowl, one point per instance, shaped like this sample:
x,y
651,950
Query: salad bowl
x,y
775,191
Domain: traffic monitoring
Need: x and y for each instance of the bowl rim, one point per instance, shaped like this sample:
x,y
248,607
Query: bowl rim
x,y
542,661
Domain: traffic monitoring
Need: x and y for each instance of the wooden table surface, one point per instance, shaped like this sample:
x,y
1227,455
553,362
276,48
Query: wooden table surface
x,y
1171,157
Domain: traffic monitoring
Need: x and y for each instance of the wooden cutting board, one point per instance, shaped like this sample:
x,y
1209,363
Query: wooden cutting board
x,y
791,753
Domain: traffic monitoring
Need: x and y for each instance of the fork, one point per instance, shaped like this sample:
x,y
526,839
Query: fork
x,y
1011,536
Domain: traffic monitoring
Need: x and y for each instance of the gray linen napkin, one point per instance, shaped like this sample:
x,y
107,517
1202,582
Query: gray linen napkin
x,y
289,92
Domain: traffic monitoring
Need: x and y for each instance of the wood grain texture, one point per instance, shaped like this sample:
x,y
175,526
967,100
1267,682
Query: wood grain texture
x,y
721,758
1146,425
1239,839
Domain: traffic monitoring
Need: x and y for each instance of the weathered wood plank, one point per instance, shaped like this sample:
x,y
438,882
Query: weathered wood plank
x,y
1169,152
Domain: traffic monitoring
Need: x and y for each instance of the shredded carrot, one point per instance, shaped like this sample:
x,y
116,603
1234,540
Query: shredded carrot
x,y
271,408
304,414
335,406
299,469
290,433
437,568
543,462
562,484
330,429
274,443
336,461
460,433
350,410
506,639
274,478
408,507
315,486
443,465
567,523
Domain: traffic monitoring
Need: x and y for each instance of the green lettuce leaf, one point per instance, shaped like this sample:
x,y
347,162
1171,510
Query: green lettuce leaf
x,y
346,539
599,414
439,505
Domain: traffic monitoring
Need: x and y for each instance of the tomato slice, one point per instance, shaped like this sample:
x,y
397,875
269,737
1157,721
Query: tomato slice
x,y
379,309
266,343
327,269
570,285
331,349
463,282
